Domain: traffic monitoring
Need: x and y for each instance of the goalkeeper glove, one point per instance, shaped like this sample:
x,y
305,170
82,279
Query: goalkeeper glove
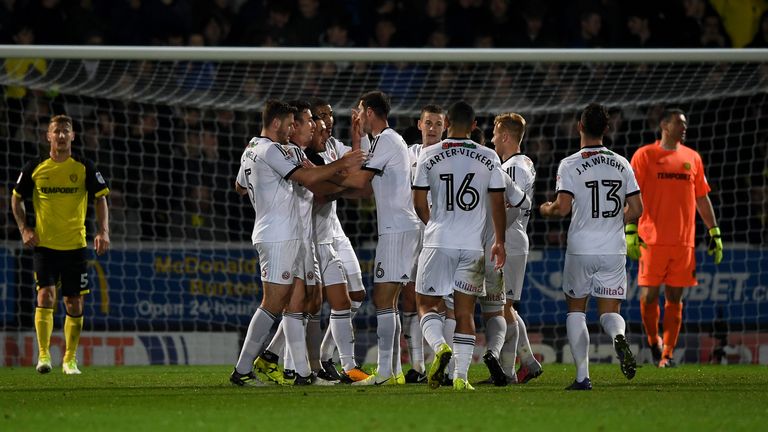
x,y
715,244
634,242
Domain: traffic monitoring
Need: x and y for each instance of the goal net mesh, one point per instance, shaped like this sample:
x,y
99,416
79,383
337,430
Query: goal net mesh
x,y
168,135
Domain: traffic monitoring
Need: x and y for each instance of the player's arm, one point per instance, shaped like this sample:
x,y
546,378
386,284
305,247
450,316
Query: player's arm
x,y
707,213
28,234
316,174
499,217
359,179
558,208
101,239
420,204
634,209
240,190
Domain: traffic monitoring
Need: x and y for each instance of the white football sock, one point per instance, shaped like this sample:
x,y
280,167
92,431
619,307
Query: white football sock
x,y
613,324
341,327
258,330
432,328
414,339
523,345
328,346
449,327
509,350
296,340
277,344
495,332
463,348
385,330
397,363
314,335
578,338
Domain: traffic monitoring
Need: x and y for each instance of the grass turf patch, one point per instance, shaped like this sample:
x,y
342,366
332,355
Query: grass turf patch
x,y
183,398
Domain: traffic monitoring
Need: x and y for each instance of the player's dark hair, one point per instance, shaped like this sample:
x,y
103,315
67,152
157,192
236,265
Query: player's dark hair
x,y
61,119
668,113
432,109
301,105
378,101
317,102
477,135
274,109
461,115
594,120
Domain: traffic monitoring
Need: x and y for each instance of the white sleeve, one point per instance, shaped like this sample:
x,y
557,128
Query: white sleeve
x,y
242,179
632,186
283,161
341,149
382,150
563,183
365,143
514,195
420,180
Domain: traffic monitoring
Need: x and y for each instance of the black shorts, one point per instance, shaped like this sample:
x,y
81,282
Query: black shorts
x,y
68,269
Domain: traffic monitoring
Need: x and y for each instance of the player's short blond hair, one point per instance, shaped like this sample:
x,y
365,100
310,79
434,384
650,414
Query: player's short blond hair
x,y
511,122
61,119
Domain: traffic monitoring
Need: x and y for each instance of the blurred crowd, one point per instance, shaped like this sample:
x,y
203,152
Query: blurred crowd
x,y
171,169
389,23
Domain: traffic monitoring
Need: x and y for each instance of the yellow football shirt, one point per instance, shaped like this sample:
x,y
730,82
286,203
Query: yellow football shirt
x,y
60,192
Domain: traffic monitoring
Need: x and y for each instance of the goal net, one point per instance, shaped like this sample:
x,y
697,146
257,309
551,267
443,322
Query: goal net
x,y
166,127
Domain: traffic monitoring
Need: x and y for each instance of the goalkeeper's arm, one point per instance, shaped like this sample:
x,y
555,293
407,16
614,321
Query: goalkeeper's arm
x,y
707,213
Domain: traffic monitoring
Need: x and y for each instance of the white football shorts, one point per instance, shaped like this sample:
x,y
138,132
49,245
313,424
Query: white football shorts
x,y
331,268
596,275
442,271
279,261
395,254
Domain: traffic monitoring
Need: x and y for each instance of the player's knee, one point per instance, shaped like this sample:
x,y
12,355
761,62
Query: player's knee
x,y
46,298
74,305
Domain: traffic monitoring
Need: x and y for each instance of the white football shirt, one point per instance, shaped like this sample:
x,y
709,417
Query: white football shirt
x,y
326,222
519,168
334,150
514,197
304,198
599,180
459,173
265,167
388,159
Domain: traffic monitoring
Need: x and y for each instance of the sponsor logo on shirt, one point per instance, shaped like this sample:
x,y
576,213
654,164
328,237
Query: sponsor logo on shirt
x,y
589,154
458,144
672,176
57,189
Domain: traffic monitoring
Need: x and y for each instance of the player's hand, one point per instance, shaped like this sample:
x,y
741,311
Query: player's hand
x,y
634,242
715,244
352,159
101,243
29,237
357,129
498,255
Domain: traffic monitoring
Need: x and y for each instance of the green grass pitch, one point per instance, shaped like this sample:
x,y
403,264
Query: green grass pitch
x,y
178,398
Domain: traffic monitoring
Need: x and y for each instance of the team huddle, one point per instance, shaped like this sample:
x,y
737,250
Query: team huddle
x,y
452,217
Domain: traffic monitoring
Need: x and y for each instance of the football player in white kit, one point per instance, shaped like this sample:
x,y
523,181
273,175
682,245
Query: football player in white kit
x,y
600,188
387,169
332,150
501,320
465,181
306,298
432,125
267,169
